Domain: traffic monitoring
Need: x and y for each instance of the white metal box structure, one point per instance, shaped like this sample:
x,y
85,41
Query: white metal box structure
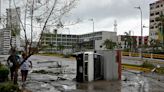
x,y
89,66
101,65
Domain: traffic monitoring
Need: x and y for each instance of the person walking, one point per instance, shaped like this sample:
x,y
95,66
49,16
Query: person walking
x,y
13,62
25,66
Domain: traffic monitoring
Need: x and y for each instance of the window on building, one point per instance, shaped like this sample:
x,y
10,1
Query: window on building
x,y
152,27
152,20
58,39
157,6
159,24
63,35
157,13
98,38
151,14
86,57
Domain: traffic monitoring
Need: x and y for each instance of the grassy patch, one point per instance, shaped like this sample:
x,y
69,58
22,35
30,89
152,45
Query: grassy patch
x,y
9,87
131,65
41,71
57,55
45,72
51,54
160,70
146,66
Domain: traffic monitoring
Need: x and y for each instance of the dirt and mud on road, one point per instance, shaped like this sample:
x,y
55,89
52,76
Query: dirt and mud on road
x,y
53,74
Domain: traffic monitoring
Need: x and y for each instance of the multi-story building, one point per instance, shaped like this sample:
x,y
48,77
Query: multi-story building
x,y
13,18
5,41
52,40
81,42
136,41
156,9
10,34
1,40
13,23
99,38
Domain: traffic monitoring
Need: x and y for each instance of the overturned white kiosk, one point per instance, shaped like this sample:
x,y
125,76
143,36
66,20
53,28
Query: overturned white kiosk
x,y
104,64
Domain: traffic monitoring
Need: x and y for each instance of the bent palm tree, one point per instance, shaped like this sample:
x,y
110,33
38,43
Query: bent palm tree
x,y
109,44
128,40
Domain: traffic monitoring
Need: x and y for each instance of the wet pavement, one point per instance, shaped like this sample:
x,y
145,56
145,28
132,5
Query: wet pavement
x,y
54,74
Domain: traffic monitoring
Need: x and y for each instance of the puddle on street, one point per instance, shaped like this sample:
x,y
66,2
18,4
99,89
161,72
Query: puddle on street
x,y
49,82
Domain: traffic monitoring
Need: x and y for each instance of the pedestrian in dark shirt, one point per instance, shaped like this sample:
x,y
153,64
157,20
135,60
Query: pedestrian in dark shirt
x,y
13,62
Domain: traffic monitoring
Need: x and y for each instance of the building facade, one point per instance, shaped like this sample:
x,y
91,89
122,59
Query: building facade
x,y
10,34
95,40
5,41
87,41
156,32
13,17
53,41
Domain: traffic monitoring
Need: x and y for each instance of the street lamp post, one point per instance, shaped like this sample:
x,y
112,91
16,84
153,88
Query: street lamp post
x,y
67,45
93,34
141,30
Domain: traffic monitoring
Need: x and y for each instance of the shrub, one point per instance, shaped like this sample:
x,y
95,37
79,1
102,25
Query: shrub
x,y
41,71
147,64
9,87
67,55
4,72
160,70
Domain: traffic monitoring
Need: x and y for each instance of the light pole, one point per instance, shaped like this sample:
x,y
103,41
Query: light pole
x,y
93,34
0,12
67,45
141,29
143,37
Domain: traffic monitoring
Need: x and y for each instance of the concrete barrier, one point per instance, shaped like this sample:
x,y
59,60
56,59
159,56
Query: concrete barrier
x,y
145,55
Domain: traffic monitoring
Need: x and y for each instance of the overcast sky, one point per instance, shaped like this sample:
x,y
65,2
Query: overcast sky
x,y
104,12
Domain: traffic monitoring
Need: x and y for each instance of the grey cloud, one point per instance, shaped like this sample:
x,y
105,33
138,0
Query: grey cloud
x,y
119,9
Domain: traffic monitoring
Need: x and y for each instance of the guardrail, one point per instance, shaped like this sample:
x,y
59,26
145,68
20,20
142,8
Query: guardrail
x,y
145,55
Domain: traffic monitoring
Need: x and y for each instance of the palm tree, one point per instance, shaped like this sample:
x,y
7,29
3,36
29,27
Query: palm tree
x,y
51,45
109,44
154,44
128,40
61,47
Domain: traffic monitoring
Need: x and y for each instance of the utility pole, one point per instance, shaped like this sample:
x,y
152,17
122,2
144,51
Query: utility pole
x,y
93,34
115,26
0,12
10,13
141,29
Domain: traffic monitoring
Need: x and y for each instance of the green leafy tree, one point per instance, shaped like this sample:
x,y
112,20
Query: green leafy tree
x,y
154,44
51,45
61,47
161,26
109,44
